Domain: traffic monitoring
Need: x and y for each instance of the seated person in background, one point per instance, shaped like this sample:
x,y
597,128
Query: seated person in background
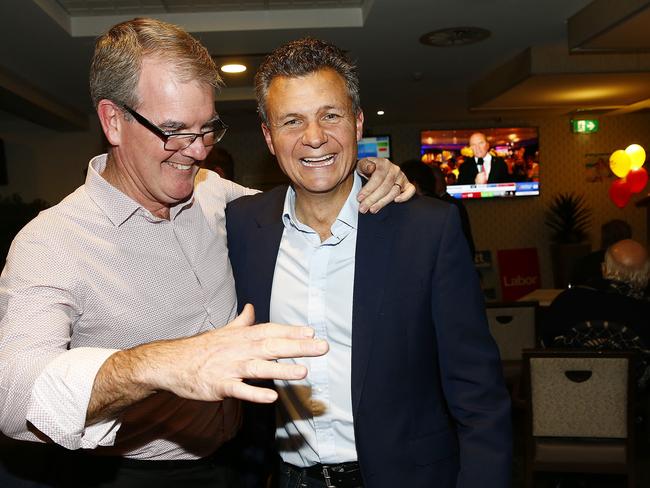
x,y
588,269
483,167
430,181
220,161
618,297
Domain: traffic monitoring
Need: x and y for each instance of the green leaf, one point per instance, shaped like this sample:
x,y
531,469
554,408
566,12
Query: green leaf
x,y
569,218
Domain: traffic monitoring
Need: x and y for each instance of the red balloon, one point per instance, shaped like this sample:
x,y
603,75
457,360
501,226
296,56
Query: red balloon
x,y
620,192
637,179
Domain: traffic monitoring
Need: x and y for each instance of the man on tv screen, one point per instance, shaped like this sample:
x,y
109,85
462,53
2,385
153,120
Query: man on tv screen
x,y
483,167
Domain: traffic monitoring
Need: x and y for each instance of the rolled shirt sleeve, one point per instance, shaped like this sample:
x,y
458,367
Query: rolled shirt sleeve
x,y
42,381
60,397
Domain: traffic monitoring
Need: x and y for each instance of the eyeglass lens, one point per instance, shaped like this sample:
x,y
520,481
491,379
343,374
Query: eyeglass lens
x,y
178,142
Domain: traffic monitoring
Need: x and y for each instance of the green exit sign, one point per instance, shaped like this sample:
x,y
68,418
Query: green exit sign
x,y
584,126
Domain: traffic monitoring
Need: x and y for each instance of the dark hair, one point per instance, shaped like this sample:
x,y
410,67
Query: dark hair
x,y
220,161
302,57
613,231
421,175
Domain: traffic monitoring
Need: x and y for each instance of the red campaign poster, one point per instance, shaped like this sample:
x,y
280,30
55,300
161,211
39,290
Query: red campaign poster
x,y
519,270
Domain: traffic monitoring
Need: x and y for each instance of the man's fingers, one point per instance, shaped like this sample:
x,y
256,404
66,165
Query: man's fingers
x,y
401,190
257,369
386,184
245,318
275,341
271,330
382,202
243,391
289,348
408,190
366,167
376,177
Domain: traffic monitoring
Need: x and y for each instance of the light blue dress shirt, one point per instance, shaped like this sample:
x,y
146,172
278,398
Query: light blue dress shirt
x,y
313,284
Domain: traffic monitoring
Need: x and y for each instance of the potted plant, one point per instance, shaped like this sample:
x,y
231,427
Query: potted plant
x,y
569,219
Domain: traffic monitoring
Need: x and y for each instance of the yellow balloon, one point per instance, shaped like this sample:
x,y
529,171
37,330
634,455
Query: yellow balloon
x,y
636,154
467,152
620,163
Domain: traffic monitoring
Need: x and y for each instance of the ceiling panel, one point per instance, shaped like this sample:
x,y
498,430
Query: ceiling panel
x,y
573,91
548,77
411,82
120,7
610,26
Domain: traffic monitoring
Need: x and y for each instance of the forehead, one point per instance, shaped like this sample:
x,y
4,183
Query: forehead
x,y
312,91
160,85
477,139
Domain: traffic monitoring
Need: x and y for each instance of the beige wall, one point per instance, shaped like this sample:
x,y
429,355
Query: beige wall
x,y
43,163
514,223
48,165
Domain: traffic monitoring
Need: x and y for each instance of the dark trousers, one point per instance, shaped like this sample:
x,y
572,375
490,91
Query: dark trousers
x,y
102,472
31,465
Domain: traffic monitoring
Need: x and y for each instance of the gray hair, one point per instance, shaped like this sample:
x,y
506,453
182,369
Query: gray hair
x,y
635,276
300,58
116,64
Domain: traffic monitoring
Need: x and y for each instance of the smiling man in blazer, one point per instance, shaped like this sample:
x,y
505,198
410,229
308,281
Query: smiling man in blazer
x,y
411,392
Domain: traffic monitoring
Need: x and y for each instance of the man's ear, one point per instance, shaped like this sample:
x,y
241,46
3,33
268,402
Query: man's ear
x,y
359,123
267,137
111,118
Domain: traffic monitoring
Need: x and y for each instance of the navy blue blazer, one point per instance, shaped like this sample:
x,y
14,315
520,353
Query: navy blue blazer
x,y
429,404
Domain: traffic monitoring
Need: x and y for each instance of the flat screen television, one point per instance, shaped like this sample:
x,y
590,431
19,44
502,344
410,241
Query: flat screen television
x,y
374,147
518,147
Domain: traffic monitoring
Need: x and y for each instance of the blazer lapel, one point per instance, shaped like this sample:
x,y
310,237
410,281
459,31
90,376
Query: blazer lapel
x,y
374,242
268,236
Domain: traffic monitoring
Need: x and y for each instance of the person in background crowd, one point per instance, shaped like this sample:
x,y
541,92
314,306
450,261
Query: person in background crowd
x,y
411,392
430,181
618,297
483,167
589,269
119,339
220,161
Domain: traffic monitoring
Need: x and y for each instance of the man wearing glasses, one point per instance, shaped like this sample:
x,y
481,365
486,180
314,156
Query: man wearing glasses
x,y
113,302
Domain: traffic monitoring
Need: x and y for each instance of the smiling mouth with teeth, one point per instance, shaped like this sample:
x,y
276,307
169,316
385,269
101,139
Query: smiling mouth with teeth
x,y
181,167
318,162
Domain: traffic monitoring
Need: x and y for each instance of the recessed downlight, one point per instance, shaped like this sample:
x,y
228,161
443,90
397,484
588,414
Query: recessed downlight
x,y
233,68
380,112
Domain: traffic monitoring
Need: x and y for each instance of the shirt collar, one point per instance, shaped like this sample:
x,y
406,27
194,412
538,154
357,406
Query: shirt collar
x,y
346,220
117,206
486,158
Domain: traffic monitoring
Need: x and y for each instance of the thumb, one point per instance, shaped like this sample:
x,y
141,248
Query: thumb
x,y
367,166
246,318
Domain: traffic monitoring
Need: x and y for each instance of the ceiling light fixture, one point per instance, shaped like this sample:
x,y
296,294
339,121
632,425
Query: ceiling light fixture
x,y
454,36
233,68
380,112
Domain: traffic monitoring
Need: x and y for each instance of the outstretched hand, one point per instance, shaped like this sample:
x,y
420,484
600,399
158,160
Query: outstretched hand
x,y
213,365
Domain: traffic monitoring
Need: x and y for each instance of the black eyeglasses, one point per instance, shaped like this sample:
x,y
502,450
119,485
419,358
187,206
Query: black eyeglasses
x,y
182,140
